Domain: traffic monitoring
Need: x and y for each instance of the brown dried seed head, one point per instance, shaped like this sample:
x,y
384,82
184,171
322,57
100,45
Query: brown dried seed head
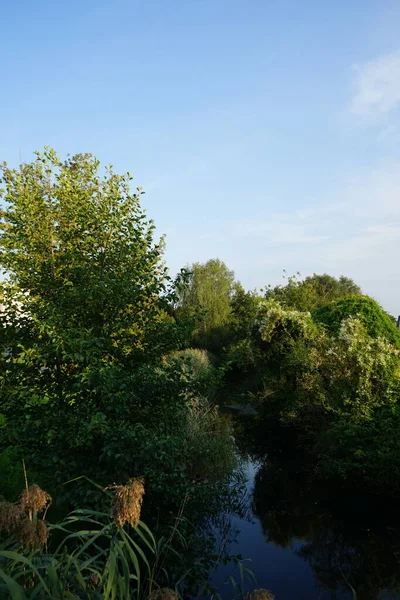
x,y
127,502
94,580
260,594
34,499
10,517
163,594
33,534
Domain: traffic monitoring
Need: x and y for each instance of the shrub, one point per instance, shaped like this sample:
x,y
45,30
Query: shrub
x,y
194,361
352,374
376,321
367,450
340,388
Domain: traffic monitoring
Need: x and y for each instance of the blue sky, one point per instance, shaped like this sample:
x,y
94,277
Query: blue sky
x,y
264,132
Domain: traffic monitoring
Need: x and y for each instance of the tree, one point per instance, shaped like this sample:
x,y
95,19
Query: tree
x,y
208,294
244,307
83,309
312,292
81,255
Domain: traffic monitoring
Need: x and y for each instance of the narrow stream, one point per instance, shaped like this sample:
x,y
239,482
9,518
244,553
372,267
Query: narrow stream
x,y
305,540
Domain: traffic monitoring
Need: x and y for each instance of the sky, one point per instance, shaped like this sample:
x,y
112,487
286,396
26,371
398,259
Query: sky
x,y
265,133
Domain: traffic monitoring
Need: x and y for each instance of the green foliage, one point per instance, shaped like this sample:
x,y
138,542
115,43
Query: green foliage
x,y
368,449
92,556
312,292
12,473
333,387
84,330
208,295
277,331
195,360
376,321
350,376
87,275
244,307
203,376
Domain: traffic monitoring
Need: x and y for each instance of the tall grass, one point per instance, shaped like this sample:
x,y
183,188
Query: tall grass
x,y
98,554
94,554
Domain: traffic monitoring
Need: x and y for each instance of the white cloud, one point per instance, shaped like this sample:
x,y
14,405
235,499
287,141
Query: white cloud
x,y
377,86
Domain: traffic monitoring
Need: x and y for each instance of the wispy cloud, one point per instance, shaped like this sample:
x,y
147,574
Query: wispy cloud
x,y
376,86
354,230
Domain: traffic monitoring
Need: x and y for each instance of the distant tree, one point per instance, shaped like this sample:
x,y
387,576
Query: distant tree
x,y
312,292
244,306
208,294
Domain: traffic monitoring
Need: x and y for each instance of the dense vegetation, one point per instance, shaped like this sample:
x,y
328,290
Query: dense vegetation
x,y
109,369
86,383
376,322
318,355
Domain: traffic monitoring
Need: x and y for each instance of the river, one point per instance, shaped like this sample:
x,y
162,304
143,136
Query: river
x,y
306,540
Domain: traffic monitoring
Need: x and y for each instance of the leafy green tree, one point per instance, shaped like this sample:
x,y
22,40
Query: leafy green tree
x,y
208,295
80,253
312,292
244,307
83,330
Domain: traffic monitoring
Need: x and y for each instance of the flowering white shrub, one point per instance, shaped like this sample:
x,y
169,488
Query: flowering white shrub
x,y
273,321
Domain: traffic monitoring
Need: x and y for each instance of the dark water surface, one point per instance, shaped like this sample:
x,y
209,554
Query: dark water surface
x,y
305,540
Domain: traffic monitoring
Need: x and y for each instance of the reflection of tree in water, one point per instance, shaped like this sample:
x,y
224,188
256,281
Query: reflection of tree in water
x,y
346,538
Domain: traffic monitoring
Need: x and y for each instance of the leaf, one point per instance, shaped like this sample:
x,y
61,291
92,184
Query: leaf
x,y
14,588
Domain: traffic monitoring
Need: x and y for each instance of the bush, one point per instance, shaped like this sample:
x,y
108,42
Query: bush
x,y
351,375
142,428
340,388
376,321
367,450
194,362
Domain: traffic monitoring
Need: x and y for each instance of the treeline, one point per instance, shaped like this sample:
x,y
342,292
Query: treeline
x,y
316,354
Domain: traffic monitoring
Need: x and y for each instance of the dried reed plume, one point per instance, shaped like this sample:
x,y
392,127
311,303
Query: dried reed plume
x,y
11,517
260,594
93,580
163,594
127,502
33,534
34,499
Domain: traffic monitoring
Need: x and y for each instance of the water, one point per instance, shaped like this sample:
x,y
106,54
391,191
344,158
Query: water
x,y
305,540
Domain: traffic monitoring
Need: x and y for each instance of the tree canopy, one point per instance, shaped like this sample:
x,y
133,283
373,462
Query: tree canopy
x,y
80,254
84,319
208,294
313,291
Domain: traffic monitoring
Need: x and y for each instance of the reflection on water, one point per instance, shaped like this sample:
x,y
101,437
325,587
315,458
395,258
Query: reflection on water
x,y
307,540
